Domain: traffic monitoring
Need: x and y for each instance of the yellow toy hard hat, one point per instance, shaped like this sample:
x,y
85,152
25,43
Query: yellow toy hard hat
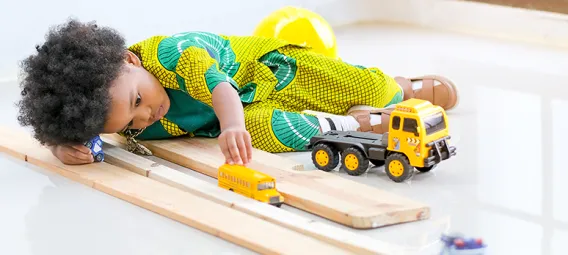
x,y
299,26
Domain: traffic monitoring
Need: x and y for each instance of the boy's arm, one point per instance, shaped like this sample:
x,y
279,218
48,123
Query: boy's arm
x,y
228,107
234,141
205,82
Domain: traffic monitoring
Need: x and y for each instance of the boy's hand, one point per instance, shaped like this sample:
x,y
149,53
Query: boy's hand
x,y
235,143
72,155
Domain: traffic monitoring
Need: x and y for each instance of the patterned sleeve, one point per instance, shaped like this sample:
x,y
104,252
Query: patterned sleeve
x,y
195,64
201,74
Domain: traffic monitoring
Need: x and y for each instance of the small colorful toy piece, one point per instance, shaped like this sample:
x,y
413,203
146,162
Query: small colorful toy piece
x,y
456,244
96,147
418,137
249,183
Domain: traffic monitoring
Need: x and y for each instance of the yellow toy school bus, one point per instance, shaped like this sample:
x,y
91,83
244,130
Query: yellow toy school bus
x,y
249,183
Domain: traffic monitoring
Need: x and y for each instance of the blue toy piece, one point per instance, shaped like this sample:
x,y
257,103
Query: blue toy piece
x,y
458,245
96,146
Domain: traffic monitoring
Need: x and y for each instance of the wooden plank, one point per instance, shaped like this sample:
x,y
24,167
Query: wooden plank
x,y
317,192
556,6
348,240
260,156
221,221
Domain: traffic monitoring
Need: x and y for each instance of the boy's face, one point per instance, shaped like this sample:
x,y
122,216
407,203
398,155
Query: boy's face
x,y
138,98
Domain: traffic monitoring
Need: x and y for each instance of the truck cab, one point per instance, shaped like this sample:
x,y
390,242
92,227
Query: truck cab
x,y
419,130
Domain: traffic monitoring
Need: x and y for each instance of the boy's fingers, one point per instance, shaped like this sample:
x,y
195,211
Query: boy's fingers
x,y
248,144
72,160
82,148
242,150
82,157
234,150
225,151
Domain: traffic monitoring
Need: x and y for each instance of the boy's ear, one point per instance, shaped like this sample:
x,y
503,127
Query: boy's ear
x,y
131,58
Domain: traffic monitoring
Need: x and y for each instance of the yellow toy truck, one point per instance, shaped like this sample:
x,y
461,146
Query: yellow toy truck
x,y
249,183
417,138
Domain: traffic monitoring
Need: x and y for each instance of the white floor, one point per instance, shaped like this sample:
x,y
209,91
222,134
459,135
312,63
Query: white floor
x,y
505,185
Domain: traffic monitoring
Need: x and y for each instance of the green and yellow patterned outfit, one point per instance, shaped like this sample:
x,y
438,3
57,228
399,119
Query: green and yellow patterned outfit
x,y
276,80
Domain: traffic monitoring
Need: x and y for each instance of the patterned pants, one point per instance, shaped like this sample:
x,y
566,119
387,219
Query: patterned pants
x,y
310,81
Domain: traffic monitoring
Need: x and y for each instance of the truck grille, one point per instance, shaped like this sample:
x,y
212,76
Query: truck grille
x,y
275,199
439,150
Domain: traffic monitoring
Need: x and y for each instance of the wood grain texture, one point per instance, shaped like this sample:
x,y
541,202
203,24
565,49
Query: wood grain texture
x,y
221,221
348,240
259,155
556,6
327,195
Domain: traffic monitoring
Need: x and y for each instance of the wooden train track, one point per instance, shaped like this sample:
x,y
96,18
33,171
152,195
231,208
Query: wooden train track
x,y
197,203
325,194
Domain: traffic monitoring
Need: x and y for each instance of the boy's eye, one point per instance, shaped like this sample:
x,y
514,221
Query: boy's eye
x,y
138,99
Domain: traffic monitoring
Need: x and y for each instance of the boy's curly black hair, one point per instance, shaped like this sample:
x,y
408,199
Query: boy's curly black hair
x,y
65,85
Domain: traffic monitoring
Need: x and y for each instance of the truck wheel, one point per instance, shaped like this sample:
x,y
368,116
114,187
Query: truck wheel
x,y
398,168
377,162
354,162
325,157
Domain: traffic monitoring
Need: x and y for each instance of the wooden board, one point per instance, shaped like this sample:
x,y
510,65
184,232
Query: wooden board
x,y
221,221
557,6
325,194
348,240
260,156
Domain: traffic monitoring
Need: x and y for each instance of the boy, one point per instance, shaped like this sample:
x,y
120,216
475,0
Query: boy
x,y
247,91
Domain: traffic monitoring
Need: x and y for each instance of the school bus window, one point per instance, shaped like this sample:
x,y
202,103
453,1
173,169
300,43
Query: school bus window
x,y
265,185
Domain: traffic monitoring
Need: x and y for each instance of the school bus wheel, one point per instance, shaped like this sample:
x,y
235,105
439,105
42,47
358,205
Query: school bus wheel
x,y
354,162
398,168
325,157
425,169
